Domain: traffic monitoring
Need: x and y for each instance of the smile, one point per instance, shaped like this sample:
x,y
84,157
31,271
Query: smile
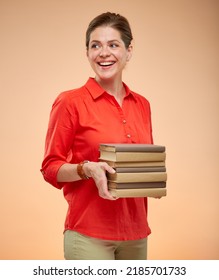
x,y
106,63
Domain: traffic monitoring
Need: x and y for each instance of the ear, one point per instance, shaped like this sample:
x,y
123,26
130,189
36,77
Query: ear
x,y
129,52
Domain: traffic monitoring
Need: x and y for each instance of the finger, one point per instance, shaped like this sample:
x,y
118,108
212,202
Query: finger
x,y
107,195
104,192
108,168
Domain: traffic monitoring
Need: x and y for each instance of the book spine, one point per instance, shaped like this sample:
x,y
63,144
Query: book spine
x,y
137,177
134,185
132,156
131,148
134,164
139,169
156,192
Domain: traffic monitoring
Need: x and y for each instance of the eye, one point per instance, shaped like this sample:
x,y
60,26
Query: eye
x,y
114,45
95,46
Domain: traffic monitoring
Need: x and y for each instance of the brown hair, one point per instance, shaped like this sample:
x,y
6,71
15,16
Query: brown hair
x,y
113,20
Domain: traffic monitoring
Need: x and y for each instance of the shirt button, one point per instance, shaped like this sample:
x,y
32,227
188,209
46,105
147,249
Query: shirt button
x,y
124,121
128,135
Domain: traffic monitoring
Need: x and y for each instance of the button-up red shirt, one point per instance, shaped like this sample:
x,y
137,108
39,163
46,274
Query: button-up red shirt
x,y
80,120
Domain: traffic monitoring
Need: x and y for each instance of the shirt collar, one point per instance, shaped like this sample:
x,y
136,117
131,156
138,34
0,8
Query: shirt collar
x,y
96,90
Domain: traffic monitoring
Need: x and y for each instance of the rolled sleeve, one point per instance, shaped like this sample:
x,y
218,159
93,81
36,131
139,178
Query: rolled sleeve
x,y
50,173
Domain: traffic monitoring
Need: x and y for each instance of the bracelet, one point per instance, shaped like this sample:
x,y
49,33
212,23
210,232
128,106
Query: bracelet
x,y
80,170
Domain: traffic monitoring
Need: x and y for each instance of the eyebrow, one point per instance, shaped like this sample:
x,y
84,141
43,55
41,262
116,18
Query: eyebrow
x,y
110,41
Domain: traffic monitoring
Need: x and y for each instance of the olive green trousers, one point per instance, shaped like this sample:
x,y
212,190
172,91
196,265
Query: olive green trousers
x,y
81,247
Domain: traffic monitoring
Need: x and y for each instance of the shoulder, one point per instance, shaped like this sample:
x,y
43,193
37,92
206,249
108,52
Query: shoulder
x,y
69,102
72,94
70,97
140,99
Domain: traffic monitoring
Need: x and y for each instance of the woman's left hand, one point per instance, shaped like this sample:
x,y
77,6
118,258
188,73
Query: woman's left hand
x,y
97,170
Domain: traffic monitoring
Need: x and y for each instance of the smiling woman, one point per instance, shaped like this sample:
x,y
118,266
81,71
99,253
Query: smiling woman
x,y
108,56
98,226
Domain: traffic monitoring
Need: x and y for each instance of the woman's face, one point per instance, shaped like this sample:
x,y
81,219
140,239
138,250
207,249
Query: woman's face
x,y
107,53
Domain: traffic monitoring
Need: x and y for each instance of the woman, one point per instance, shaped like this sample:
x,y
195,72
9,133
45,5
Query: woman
x,y
104,110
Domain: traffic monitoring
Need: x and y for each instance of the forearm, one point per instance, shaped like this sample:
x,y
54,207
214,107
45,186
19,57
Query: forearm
x,y
68,173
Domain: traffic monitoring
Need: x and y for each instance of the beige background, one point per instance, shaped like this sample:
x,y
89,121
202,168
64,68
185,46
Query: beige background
x,y
175,65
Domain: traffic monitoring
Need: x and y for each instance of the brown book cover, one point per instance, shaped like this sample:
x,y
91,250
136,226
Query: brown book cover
x,y
134,163
140,169
132,156
126,147
152,192
137,177
142,185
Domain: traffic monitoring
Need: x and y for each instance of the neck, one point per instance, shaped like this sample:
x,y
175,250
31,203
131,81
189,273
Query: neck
x,y
113,87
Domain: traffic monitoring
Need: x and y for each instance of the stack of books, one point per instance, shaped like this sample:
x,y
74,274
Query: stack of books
x,y
140,169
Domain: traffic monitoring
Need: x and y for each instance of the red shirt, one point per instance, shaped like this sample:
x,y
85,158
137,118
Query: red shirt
x,y
80,120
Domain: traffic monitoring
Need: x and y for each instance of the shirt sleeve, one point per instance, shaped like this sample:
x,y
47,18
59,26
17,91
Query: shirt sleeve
x,y
145,108
150,121
59,138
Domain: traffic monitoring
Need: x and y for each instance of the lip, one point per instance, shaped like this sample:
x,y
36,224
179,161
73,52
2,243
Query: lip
x,y
106,63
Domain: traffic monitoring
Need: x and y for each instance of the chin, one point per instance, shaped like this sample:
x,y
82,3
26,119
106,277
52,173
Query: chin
x,y
106,76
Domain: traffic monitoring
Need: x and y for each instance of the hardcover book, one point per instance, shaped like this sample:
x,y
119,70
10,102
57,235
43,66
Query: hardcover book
x,y
125,147
134,164
140,169
150,192
132,156
137,177
134,185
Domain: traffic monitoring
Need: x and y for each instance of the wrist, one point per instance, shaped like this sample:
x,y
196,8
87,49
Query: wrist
x,y
80,170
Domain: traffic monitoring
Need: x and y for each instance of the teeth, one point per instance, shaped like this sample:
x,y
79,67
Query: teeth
x,y
106,63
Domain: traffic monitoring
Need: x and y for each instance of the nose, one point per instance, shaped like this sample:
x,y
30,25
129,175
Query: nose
x,y
104,52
